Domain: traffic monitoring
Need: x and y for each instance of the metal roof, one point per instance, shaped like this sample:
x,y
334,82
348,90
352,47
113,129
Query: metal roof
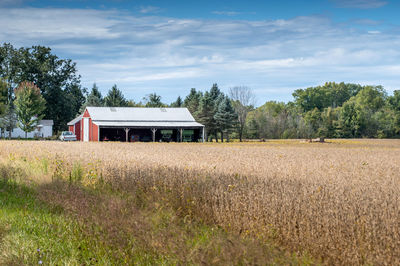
x,y
74,121
146,124
46,122
136,114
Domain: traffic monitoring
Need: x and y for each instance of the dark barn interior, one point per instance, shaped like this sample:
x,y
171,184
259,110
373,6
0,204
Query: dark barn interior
x,y
146,134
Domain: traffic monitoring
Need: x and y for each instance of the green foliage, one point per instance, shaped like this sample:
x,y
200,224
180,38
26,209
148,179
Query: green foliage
x,y
29,106
330,95
205,113
371,97
57,79
177,103
3,96
192,101
225,117
132,103
394,101
332,110
153,100
93,99
9,120
115,98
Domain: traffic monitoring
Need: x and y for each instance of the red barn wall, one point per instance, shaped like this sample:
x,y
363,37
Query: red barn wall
x,y
78,130
95,131
71,128
93,128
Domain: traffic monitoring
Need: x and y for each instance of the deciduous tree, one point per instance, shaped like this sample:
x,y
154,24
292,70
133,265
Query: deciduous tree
x,y
243,101
29,105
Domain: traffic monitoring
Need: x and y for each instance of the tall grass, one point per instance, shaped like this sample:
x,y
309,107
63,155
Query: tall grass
x,y
339,201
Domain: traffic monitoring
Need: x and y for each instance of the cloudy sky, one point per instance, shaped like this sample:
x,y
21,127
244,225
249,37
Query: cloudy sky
x,y
168,47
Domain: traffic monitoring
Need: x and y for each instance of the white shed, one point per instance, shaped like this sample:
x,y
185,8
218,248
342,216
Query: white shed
x,y
43,129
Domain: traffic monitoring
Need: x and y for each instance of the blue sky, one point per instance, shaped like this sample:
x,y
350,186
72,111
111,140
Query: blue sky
x,y
168,47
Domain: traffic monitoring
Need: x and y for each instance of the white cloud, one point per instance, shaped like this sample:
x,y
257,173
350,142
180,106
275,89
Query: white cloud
x,y
170,55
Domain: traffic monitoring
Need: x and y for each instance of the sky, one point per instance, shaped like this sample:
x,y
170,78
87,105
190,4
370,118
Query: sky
x,y
168,47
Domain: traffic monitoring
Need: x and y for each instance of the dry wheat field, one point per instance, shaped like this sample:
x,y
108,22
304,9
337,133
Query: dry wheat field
x,y
337,201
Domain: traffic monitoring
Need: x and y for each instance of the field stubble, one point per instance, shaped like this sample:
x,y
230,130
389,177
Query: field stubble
x,y
339,201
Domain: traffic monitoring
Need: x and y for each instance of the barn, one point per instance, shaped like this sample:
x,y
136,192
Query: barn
x,y
130,124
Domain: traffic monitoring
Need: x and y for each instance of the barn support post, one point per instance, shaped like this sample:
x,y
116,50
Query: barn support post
x,y
180,134
126,133
203,134
154,133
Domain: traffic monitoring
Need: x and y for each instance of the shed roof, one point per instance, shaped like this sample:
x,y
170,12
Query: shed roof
x,y
74,121
46,122
140,114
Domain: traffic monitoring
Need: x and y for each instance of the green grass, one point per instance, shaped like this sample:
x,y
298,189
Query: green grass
x,y
31,232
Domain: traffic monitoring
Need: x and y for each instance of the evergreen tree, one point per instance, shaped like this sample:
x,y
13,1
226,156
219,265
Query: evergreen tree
x,y
29,106
76,100
177,103
115,98
3,96
93,99
225,117
215,92
153,100
192,101
9,120
132,103
9,62
205,113
215,96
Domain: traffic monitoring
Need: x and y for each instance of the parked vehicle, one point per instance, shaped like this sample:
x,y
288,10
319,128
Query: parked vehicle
x,y
67,136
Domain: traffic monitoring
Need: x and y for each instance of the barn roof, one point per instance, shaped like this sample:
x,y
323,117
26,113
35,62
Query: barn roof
x,y
74,121
140,114
140,117
46,123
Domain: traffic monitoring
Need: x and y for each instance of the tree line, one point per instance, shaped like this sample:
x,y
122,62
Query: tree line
x,y
36,84
333,110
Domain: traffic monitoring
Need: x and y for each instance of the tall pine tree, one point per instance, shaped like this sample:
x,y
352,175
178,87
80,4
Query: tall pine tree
x,y
225,116
205,113
93,99
177,103
192,102
115,98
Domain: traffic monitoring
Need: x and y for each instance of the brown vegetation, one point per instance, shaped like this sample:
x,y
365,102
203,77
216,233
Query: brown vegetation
x,y
339,201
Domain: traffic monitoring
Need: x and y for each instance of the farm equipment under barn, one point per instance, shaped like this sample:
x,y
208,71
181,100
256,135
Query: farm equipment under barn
x,y
187,135
166,135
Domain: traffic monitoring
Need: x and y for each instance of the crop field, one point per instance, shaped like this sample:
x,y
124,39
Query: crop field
x,y
274,202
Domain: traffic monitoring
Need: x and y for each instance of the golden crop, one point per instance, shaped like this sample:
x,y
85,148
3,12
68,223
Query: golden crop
x,y
339,201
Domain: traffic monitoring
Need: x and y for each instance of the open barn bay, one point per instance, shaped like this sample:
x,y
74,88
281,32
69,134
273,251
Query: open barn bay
x,y
278,202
